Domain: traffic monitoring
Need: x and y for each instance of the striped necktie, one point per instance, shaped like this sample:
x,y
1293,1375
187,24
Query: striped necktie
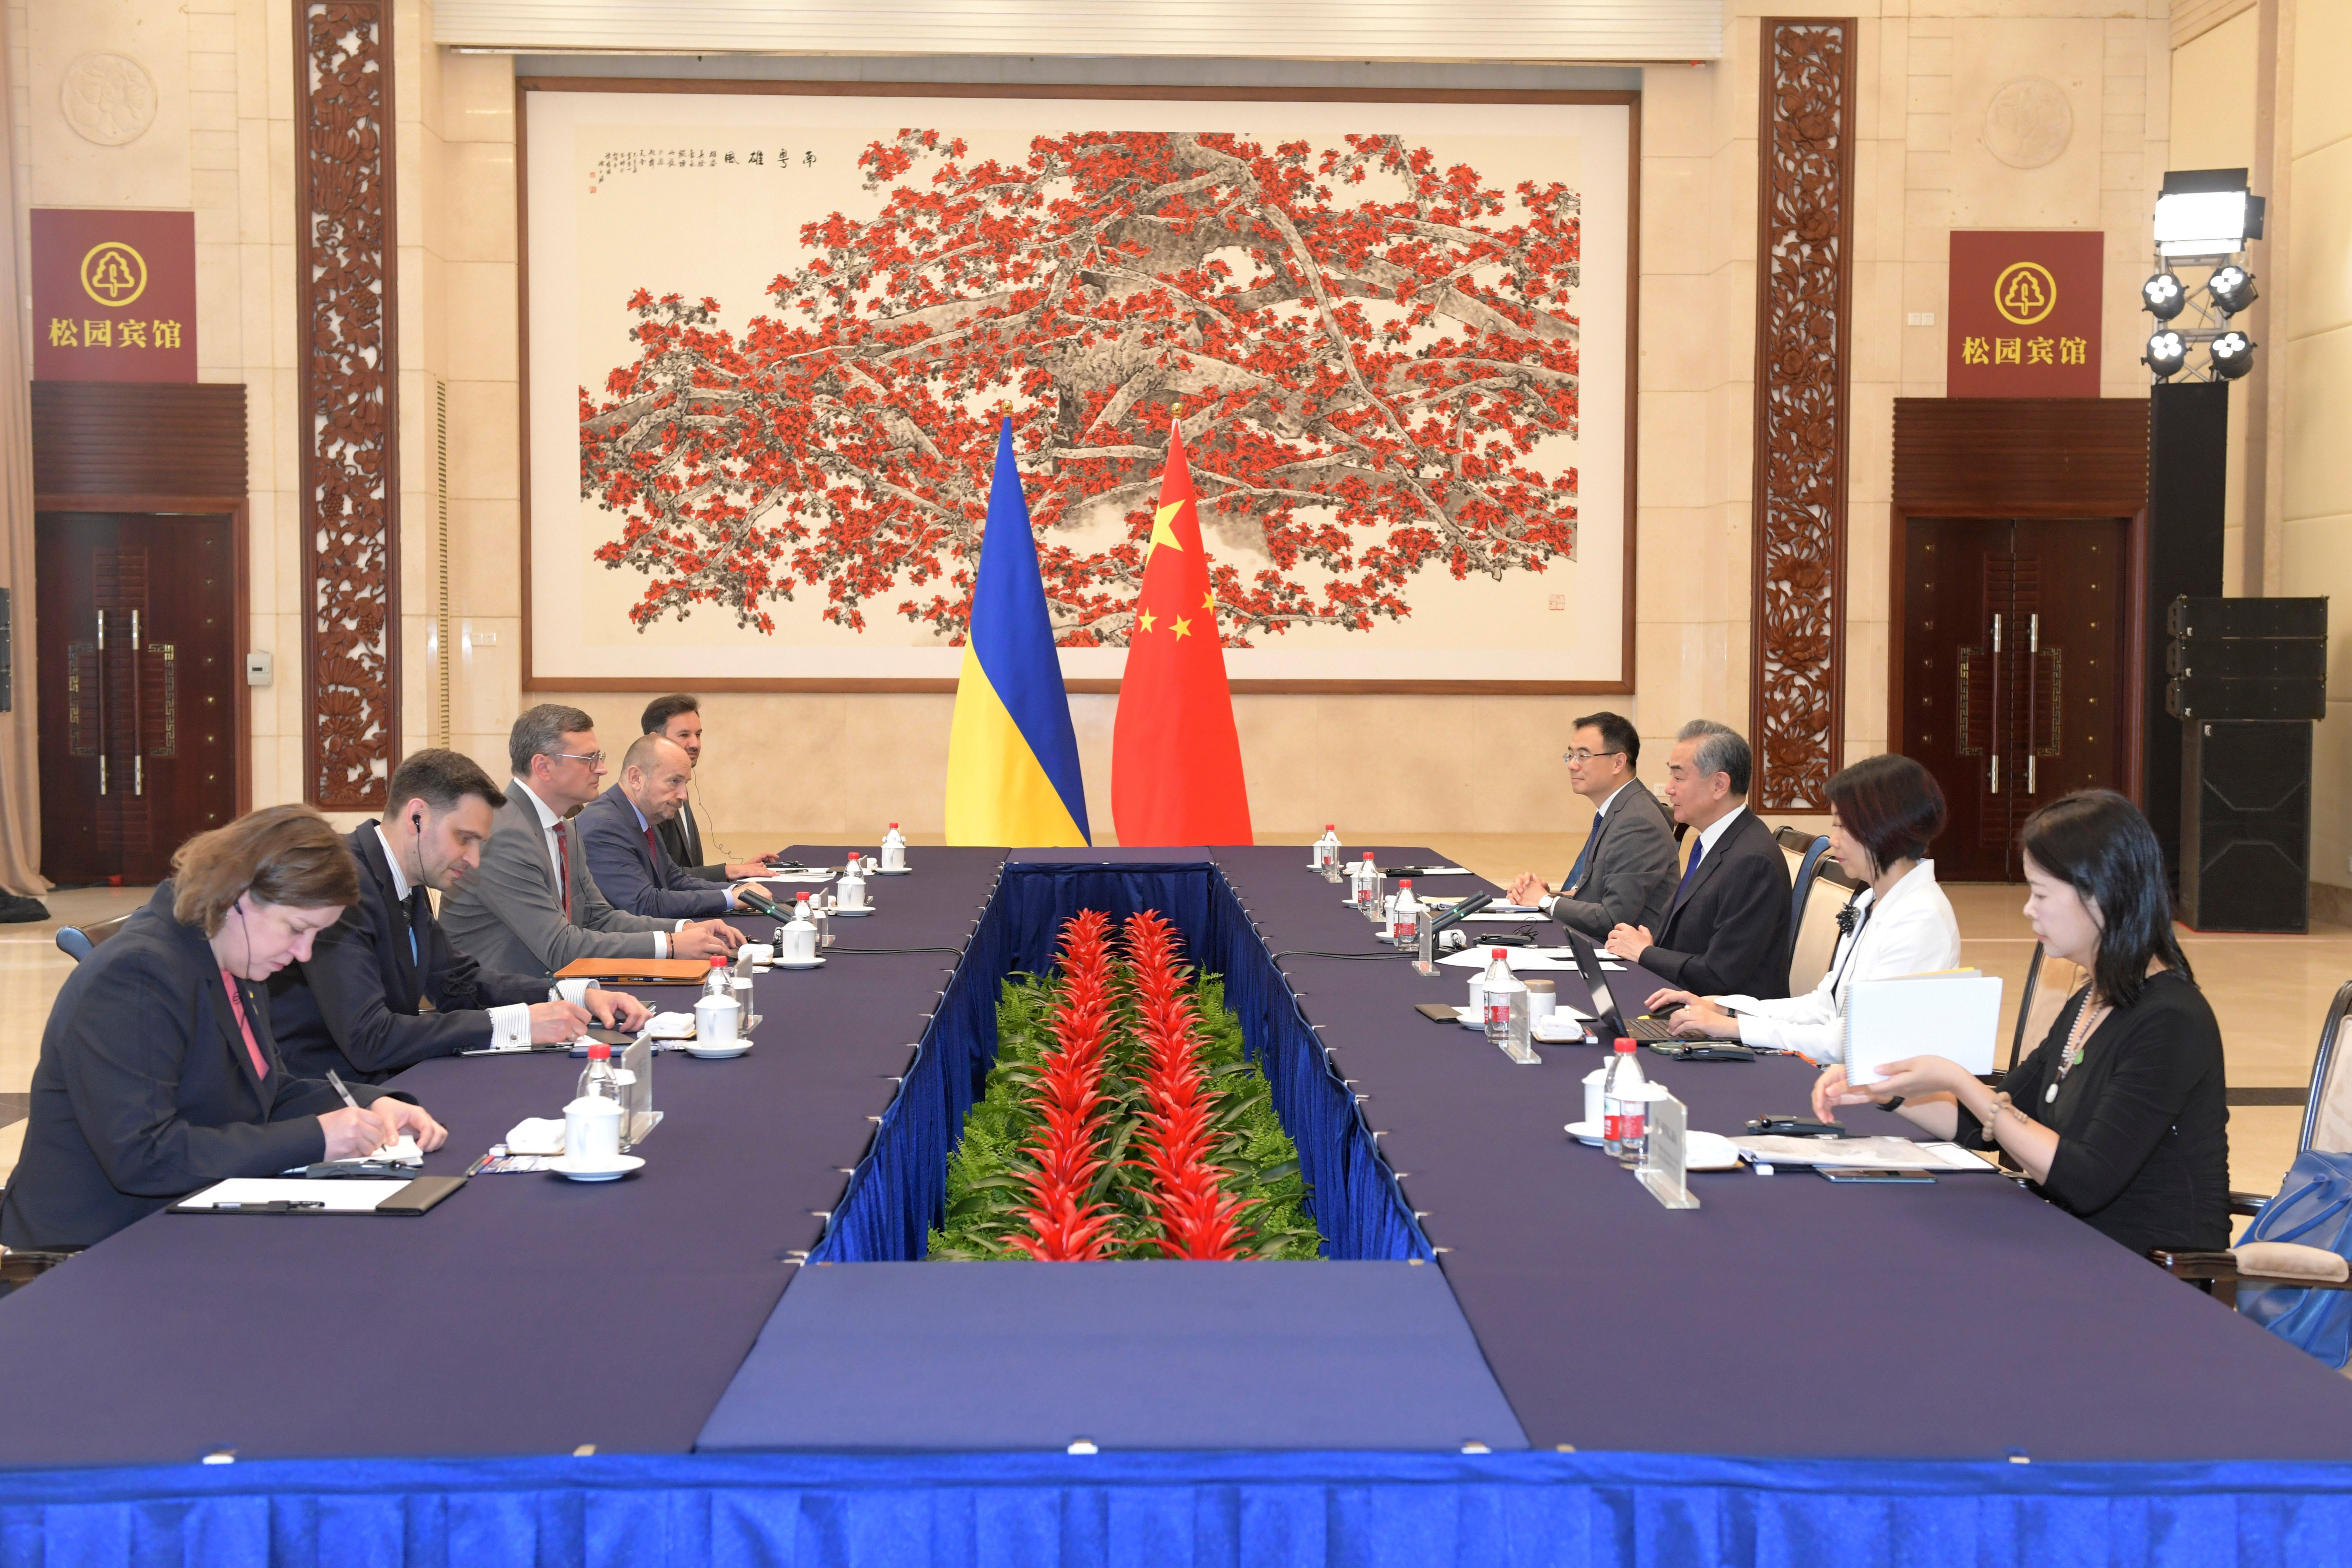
x,y
563,862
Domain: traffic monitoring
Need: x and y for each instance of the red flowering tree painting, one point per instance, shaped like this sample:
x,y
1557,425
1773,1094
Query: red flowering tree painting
x,y
1366,349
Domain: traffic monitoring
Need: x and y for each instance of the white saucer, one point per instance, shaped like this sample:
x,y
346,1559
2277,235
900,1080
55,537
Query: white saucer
x,y
1584,1133
891,871
799,963
612,1172
719,1053
859,911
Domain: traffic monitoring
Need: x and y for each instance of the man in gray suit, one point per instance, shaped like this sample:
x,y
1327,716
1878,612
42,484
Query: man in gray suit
x,y
533,908
1626,874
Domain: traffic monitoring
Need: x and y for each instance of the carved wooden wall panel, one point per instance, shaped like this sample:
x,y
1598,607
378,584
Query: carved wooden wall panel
x,y
350,481
1804,252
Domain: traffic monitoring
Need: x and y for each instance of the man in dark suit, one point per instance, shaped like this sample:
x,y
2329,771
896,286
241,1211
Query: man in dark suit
x,y
625,853
679,717
1727,931
1626,874
383,988
534,905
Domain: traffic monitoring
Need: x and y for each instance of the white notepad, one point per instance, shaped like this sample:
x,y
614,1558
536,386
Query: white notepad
x,y
1955,1013
258,1192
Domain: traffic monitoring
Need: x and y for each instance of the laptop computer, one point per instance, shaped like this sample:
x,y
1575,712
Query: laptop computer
x,y
1604,1005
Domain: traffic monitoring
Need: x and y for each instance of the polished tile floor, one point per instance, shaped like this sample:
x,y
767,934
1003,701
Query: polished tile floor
x,y
2268,991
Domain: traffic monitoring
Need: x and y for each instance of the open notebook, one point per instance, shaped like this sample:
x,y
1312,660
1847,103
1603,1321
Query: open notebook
x,y
1953,1013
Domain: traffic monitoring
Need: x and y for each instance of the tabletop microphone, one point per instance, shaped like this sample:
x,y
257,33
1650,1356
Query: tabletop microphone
x,y
1460,911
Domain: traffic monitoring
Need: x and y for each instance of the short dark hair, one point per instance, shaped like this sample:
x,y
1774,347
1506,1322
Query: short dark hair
x,y
662,709
441,779
1617,733
280,854
1892,805
1721,749
539,734
2098,843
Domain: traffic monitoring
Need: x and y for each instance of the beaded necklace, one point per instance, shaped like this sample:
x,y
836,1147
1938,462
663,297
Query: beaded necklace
x,y
2086,1021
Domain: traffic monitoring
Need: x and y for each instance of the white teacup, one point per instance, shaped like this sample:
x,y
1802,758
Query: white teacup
x,y
758,951
1592,1082
1543,996
1477,994
716,1020
800,942
592,1131
851,896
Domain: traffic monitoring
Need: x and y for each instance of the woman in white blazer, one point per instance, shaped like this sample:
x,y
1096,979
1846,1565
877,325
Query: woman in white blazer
x,y
1883,812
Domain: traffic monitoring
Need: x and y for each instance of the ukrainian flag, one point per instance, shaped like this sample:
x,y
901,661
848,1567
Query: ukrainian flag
x,y
1012,757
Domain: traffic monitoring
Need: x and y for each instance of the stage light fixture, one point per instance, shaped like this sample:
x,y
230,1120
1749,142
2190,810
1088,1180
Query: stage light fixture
x,y
2206,212
2167,352
2162,296
2232,354
2233,289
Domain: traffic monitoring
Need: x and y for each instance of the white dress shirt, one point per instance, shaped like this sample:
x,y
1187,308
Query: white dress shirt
x,y
547,821
510,1024
1712,834
1913,932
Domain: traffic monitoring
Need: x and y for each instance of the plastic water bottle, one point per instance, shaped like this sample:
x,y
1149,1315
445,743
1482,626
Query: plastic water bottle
x,y
1503,1002
716,981
1405,921
1327,853
850,888
1366,885
1624,1076
596,1079
894,849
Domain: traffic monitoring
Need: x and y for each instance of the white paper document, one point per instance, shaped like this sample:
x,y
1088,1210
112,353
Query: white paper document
x,y
1884,1153
1955,1015
261,1191
818,876
1524,960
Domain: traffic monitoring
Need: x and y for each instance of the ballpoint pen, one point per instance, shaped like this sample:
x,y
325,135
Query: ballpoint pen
x,y
335,1078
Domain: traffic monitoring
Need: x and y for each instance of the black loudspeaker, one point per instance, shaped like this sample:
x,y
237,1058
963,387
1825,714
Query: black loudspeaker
x,y
2188,457
2245,838
2247,659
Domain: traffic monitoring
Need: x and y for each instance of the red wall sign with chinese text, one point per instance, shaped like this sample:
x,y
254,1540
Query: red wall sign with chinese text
x,y
114,295
2024,313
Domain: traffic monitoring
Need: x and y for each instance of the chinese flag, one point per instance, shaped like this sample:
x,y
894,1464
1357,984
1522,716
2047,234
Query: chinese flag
x,y
1176,762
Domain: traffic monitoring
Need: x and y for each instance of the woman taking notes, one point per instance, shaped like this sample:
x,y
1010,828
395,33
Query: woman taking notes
x,y
2119,1116
158,1074
1883,812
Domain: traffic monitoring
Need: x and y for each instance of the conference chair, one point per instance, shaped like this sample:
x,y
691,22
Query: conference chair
x,y
1819,891
2049,983
2327,1127
77,943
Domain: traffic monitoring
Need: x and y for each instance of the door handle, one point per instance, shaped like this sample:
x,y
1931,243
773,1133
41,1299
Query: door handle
x,y
2028,772
1996,775
2032,635
1995,634
101,701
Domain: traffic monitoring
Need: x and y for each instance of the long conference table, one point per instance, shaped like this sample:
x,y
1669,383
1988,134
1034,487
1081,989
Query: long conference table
x,y
1519,1357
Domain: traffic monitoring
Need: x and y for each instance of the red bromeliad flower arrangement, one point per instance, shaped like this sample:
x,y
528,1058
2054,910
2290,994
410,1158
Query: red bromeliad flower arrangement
x,y
1101,1135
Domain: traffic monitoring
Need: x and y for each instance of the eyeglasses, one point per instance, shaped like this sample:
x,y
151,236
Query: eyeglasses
x,y
1581,755
594,759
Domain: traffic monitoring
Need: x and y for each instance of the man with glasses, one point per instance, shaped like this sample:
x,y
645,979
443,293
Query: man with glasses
x,y
1626,874
533,907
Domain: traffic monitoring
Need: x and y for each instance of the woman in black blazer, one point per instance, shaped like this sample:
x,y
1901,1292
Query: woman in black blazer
x,y
158,1073
2119,1116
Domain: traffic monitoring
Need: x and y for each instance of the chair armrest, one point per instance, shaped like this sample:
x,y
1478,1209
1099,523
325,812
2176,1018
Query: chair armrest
x,y
2187,1265
2246,1206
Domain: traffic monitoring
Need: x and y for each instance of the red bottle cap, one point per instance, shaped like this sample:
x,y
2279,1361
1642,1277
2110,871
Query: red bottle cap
x,y
1406,882
599,1052
1498,952
1624,1044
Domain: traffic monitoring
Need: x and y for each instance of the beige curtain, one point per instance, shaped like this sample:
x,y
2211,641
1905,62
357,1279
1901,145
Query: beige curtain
x,y
20,762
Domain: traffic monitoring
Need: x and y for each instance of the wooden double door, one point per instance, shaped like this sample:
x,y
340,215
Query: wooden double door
x,y
137,692
2013,647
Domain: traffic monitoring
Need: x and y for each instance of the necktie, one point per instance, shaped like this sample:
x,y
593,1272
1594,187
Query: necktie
x,y
564,863
1575,883
416,912
245,1026
1698,850
653,849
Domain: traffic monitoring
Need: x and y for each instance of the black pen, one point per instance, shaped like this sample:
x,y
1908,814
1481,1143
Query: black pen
x,y
278,1205
335,1078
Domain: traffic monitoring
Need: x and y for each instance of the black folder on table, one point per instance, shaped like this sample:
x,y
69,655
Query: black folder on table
x,y
294,1195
